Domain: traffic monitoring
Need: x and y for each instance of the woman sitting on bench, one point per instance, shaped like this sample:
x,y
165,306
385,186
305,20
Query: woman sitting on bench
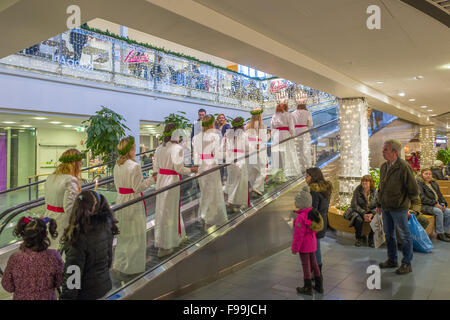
x,y
362,208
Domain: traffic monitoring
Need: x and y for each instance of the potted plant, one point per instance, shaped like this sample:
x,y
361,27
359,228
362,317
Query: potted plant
x,y
104,131
444,155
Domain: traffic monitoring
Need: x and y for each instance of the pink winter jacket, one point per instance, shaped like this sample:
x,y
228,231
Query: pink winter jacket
x,y
304,239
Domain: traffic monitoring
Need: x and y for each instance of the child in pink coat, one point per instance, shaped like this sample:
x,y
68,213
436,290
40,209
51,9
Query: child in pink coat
x,y
307,223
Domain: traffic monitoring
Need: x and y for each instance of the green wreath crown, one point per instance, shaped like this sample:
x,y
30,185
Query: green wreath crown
x,y
73,157
254,112
237,124
209,122
128,147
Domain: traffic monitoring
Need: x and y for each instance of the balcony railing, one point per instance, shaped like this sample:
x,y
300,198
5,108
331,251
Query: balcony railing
x,y
87,55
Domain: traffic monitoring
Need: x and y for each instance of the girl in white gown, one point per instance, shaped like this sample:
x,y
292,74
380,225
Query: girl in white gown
x,y
61,189
131,248
206,154
236,144
282,127
169,165
303,122
257,164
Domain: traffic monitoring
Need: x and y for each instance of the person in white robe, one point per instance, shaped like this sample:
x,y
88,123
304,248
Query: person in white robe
x,y
206,154
257,161
236,144
303,122
169,165
61,189
282,127
130,255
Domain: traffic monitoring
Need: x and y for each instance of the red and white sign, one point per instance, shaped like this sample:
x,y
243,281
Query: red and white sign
x,y
277,86
136,57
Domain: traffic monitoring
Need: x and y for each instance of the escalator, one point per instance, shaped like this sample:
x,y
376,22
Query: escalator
x,y
321,113
159,275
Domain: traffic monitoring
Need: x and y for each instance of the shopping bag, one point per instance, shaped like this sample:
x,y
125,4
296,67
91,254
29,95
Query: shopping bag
x,y
378,232
421,242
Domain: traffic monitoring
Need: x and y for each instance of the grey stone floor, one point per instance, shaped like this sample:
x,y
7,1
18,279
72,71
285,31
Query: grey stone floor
x,y
344,272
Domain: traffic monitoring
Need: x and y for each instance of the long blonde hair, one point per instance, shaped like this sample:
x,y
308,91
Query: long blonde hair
x,y
255,122
122,144
71,168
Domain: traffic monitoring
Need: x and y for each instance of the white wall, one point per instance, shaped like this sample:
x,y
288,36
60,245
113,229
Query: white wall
x,y
20,90
55,137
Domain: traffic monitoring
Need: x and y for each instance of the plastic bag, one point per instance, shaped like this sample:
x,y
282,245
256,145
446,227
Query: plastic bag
x,y
421,242
378,232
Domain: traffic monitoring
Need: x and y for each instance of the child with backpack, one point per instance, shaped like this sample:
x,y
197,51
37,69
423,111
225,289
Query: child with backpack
x,y
307,223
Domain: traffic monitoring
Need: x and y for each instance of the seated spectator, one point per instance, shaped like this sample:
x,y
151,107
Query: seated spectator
x,y
88,244
433,203
439,171
34,272
364,203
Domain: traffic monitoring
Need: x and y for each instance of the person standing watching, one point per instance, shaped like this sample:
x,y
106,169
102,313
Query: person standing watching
x,y
396,192
197,127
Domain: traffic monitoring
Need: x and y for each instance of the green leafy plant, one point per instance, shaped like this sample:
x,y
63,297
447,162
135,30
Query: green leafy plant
x,y
444,155
104,131
343,207
375,173
178,118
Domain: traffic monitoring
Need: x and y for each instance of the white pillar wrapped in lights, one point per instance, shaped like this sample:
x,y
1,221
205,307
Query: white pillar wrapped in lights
x,y
354,148
427,146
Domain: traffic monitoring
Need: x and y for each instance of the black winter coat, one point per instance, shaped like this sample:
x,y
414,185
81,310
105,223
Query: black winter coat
x,y
437,173
321,203
359,202
93,255
427,196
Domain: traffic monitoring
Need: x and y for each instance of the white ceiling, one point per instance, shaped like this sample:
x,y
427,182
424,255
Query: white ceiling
x,y
322,43
28,120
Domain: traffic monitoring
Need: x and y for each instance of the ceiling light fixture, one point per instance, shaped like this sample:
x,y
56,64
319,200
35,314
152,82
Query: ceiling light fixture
x,y
380,82
8,122
26,126
401,94
67,126
418,77
55,122
40,118
430,110
424,107
412,100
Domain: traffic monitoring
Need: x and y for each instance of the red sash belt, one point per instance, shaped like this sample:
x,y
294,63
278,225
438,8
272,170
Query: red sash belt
x,y
130,191
206,156
283,128
301,125
238,150
174,173
55,209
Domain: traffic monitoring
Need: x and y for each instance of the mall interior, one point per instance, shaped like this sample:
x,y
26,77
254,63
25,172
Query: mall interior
x,y
369,71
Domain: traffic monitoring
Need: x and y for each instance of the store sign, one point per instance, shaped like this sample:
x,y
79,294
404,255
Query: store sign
x,y
277,86
136,57
73,63
441,141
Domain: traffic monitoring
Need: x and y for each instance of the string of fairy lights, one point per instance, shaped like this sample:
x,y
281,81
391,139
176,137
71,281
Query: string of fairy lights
x,y
427,146
354,145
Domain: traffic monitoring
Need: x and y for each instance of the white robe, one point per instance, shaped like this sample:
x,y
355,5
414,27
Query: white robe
x,y
303,143
257,171
131,248
169,156
212,204
60,191
237,180
288,156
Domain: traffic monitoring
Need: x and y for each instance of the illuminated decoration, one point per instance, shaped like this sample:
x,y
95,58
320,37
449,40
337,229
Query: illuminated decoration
x,y
427,146
136,57
354,145
406,148
278,85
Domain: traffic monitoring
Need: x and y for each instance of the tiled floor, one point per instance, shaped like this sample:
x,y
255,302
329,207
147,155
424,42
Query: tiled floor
x,y
344,272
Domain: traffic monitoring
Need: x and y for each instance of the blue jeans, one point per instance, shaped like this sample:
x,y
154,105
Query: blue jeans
x,y
318,253
398,219
442,220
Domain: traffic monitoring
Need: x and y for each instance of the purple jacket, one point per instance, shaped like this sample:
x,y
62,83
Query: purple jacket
x,y
304,239
33,275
